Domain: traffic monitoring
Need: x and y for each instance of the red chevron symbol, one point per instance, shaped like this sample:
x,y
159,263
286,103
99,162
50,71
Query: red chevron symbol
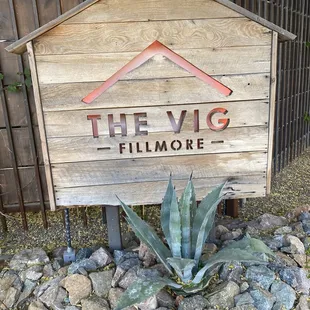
x,y
157,48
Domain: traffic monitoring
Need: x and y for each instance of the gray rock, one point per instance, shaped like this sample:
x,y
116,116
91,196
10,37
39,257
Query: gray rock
x,y
303,303
164,299
262,275
208,250
148,304
162,308
122,268
293,245
148,273
285,259
53,297
33,273
244,307
244,299
306,227
59,252
78,286
129,277
283,230
57,264
147,256
304,216
11,297
72,308
114,295
231,271
101,257
296,278
87,264
275,243
94,303
225,294
9,279
27,258
37,305
121,256
220,230
130,240
244,286
300,259
263,300
83,253
284,294
101,282
307,243
28,288
48,271
231,235
46,285
196,302
269,221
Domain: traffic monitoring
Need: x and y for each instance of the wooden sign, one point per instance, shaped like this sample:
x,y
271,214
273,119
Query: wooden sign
x,y
129,92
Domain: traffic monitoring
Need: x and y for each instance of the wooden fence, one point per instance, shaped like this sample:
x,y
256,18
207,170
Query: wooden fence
x,y
22,179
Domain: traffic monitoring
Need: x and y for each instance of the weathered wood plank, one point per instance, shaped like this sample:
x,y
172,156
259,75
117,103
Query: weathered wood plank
x,y
99,67
153,192
47,166
131,37
245,139
273,91
28,185
22,147
158,169
159,92
144,10
240,113
19,46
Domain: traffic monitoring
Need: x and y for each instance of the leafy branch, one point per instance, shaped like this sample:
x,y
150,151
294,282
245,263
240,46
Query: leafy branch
x,y
307,117
16,86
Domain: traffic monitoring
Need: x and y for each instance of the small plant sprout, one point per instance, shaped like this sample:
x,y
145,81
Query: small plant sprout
x,y
186,227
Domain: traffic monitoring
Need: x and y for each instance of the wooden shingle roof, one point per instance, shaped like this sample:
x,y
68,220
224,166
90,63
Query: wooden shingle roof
x,y
19,46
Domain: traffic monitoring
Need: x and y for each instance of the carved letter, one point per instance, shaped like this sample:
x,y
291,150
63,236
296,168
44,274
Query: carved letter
x,y
121,124
121,147
174,147
160,147
196,120
176,127
138,123
94,123
223,121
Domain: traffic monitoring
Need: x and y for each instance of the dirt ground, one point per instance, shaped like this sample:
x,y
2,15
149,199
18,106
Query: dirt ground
x,y
290,189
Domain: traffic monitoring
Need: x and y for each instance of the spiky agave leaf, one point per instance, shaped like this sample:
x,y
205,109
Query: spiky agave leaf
x,y
225,256
139,291
193,204
165,210
204,219
147,235
186,206
183,267
175,227
252,244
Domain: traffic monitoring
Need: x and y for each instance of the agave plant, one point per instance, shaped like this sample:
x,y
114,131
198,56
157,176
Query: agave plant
x,y
186,228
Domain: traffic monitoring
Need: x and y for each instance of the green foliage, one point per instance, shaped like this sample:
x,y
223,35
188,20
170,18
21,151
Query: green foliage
x,y
186,228
307,117
307,44
16,86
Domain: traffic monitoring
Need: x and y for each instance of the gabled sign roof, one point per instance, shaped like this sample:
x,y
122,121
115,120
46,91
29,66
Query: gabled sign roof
x,y
19,46
156,48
